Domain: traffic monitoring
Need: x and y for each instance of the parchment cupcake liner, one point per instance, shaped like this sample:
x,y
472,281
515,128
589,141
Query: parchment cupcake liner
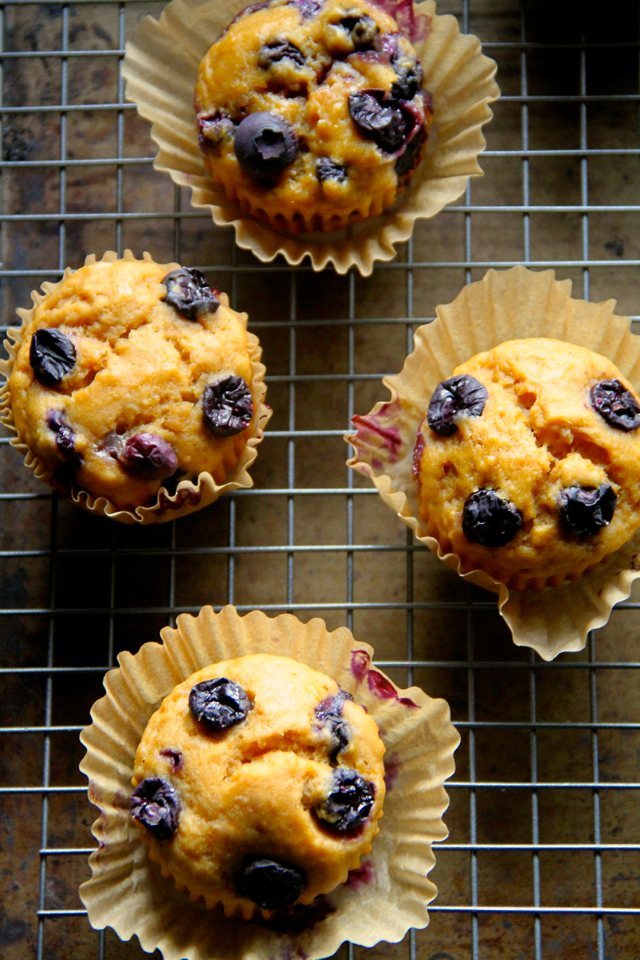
x,y
188,496
386,896
507,305
161,66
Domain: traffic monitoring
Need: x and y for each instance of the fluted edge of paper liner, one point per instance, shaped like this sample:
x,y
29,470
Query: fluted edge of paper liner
x,y
504,305
127,891
160,69
188,496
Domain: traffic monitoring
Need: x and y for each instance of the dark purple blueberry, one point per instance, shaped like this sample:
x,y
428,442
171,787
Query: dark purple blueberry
x,y
331,707
308,8
149,456
111,445
387,45
328,169
409,79
379,120
409,158
227,406
489,520
616,405
265,145
156,804
66,442
220,703
349,804
189,293
279,50
65,438
363,30
329,712
52,355
174,756
270,884
461,396
213,129
584,511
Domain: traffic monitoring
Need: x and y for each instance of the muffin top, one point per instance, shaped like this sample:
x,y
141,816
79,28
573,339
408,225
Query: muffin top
x,y
259,783
312,114
528,462
128,378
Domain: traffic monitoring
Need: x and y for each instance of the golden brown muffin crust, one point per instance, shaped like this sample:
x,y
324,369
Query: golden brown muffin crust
x,y
250,790
140,367
538,435
310,89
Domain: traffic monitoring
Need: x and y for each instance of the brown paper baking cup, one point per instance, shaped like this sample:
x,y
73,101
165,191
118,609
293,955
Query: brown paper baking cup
x,y
188,496
386,896
508,305
161,67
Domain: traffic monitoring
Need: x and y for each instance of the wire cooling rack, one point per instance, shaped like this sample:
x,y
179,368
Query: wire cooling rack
x,y
544,834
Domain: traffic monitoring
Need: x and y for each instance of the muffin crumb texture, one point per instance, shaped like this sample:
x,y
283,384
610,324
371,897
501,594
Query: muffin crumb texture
x,y
258,785
528,462
312,115
130,377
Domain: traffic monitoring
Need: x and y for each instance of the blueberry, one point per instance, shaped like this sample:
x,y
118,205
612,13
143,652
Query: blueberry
x,y
387,45
156,804
279,50
66,442
270,884
489,520
189,293
349,804
308,8
265,145
149,456
328,169
227,406
409,158
111,445
616,405
363,30
65,438
409,79
220,703
583,511
330,713
461,396
174,756
52,355
213,129
378,119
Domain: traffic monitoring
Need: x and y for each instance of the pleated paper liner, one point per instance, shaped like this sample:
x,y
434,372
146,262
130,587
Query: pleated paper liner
x,y
161,67
508,305
385,897
188,496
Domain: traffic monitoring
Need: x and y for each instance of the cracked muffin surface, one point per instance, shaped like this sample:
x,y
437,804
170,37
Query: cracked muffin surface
x,y
312,115
129,378
528,462
258,784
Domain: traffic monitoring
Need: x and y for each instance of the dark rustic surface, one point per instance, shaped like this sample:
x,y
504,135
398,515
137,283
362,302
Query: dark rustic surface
x,y
86,567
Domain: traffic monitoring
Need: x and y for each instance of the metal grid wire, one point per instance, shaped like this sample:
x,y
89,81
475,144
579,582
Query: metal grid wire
x,y
542,860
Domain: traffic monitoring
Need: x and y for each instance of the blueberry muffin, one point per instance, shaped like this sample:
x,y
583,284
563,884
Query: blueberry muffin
x,y
130,377
312,114
528,462
258,785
